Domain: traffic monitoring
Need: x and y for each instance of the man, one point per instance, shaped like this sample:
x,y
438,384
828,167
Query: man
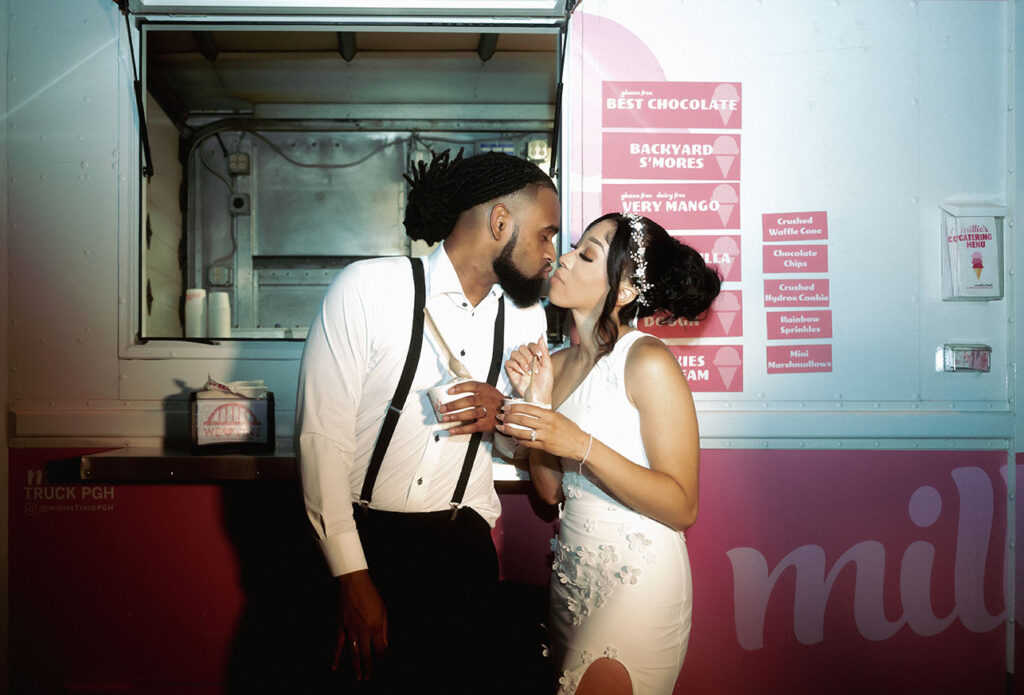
x,y
415,579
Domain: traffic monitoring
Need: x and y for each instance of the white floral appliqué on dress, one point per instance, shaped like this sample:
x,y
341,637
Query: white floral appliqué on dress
x,y
620,581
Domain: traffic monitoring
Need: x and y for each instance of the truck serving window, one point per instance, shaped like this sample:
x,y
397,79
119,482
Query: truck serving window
x,y
278,152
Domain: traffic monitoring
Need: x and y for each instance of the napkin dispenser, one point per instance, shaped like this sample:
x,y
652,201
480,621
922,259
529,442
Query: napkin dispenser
x,y
232,418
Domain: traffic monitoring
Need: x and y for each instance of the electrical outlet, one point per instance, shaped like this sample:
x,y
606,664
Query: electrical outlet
x,y
219,275
238,164
238,204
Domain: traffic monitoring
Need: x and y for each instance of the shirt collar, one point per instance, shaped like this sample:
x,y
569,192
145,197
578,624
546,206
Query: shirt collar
x,y
442,278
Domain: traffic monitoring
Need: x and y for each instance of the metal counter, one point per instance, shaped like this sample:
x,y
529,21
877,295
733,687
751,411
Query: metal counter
x,y
159,465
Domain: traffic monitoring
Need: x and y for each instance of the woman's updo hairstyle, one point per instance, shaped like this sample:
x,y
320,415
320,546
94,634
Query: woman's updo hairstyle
x,y
670,277
444,189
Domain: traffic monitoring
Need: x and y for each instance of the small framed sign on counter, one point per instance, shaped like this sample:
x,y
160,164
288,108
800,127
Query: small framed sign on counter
x,y
223,422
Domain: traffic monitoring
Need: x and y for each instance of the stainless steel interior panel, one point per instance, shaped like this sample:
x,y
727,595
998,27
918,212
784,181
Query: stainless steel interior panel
x,y
290,306
295,146
346,198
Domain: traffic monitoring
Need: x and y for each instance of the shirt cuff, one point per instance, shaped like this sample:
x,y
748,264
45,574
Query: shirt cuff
x,y
344,553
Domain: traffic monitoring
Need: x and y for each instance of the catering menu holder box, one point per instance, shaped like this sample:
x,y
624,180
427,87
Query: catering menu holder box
x,y
972,251
224,422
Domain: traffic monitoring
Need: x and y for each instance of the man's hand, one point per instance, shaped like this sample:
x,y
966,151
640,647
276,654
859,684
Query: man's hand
x,y
483,400
363,629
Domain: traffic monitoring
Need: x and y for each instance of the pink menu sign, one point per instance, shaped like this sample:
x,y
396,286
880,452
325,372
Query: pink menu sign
x,y
796,293
671,104
681,156
792,258
679,205
794,226
719,250
795,359
797,325
710,368
725,320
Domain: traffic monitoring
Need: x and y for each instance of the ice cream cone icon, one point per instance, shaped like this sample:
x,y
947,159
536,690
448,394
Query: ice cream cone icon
x,y
725,253
722,93
726,197
726,149
976,264
728,362
726,307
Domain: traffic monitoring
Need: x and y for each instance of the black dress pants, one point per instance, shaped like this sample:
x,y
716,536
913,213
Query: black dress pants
x,y
438,578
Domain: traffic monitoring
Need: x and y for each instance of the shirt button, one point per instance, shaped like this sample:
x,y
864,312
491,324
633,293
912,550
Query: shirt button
x,y
437,437
419,481
465,304
462,353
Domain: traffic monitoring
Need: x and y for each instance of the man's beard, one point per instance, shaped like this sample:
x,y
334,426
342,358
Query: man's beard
x,y
524,291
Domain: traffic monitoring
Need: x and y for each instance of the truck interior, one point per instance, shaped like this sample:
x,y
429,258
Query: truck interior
x,y
277,150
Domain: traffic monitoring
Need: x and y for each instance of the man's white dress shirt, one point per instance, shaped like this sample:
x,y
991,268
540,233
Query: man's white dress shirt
x,y
353,357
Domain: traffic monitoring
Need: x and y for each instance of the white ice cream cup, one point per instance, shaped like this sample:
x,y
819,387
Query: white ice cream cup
x,y
439,395
513,401
510,447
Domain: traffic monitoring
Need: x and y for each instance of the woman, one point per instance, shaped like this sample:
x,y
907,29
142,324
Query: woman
x,y
621,448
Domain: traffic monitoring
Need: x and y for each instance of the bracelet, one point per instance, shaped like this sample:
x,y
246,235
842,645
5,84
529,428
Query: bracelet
x,y
584,459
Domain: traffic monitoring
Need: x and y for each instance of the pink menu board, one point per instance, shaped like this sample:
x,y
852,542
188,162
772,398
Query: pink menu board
x,y
678,156
794,226
677,205
799,324
725,320
711,367
719,250
796,293
806,258
672,105
795,359
686,182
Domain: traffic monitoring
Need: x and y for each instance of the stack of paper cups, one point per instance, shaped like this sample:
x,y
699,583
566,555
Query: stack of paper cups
x,y
219,317
195,313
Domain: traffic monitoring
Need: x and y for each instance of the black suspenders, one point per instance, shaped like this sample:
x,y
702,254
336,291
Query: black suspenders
x,y
387,428
497,349
412,358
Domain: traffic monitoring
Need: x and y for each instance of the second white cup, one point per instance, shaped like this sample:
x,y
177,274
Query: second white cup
x,y
512,401
439,395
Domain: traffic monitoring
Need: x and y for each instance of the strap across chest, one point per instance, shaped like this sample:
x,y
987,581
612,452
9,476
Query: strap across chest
x,y
387,429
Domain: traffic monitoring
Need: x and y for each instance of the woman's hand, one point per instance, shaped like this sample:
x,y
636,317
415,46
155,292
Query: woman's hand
x,y
530,373
542,428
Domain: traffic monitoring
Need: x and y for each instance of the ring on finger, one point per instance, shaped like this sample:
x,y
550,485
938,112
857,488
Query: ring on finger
x,y
533,436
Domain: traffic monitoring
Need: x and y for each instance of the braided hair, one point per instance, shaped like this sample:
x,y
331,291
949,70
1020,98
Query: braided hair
x,y
444,189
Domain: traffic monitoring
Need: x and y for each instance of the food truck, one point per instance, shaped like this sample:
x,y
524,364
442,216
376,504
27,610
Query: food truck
x,y
183,179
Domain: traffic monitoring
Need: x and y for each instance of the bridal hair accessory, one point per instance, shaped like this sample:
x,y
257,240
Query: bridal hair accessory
x,y
637,255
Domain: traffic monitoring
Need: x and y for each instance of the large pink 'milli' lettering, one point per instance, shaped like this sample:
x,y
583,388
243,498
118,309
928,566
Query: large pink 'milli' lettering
x,y
753,583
